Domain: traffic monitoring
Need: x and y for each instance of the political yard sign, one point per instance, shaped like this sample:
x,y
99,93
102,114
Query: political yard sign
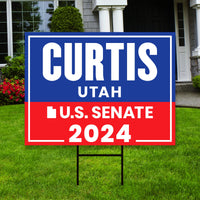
x,y
100,89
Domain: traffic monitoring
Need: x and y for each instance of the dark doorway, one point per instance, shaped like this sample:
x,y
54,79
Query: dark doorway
x,y
149,16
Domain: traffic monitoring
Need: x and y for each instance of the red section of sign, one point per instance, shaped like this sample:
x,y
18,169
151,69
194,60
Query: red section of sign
x,y
100,123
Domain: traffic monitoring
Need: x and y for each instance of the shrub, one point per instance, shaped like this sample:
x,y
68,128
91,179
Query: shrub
x,y
14,68
196,81
66,19
12,91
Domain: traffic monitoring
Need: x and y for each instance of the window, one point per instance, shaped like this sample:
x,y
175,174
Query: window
x,y
24,16
29,16
64,3
181,24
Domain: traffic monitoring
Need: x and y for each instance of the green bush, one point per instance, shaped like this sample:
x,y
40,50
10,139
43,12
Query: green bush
x,y
14,68
66,19
196,81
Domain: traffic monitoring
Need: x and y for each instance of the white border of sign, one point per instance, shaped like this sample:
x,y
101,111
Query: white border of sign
x,y
99,36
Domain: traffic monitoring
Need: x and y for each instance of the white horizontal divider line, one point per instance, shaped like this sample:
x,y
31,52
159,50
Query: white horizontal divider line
x,y
100,36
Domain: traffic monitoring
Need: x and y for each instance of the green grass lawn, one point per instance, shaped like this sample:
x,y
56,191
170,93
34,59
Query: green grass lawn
x,y
49,172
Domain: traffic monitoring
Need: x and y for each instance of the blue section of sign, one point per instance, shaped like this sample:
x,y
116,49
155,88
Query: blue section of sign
x,y
38,89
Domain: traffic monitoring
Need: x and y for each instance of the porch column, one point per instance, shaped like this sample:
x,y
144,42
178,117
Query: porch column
x,y
105,7
198,28
196,5
104,19
118,22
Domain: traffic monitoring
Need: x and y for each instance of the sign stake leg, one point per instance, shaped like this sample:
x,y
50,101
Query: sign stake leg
x,y
122,166
77,165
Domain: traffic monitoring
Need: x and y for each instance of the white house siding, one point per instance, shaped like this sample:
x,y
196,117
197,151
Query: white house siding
x,y
90,19
193,29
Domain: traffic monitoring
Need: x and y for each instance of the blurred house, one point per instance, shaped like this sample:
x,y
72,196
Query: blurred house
x,y
180,16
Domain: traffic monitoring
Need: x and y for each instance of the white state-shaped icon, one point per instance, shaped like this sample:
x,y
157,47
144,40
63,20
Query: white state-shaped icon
x,y
51,112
